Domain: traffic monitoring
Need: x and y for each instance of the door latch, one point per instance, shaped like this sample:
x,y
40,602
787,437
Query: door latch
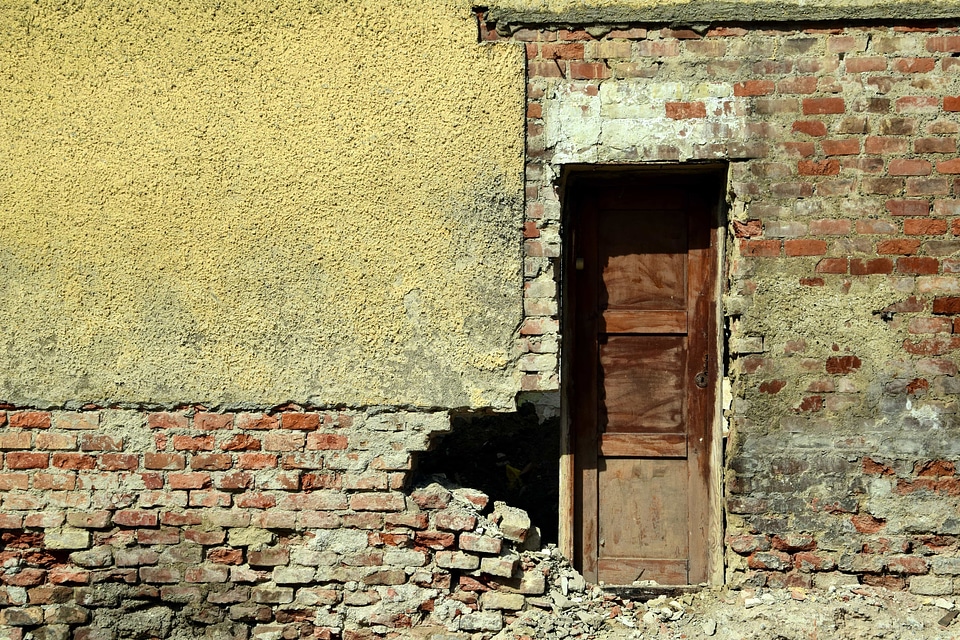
x,y
701,378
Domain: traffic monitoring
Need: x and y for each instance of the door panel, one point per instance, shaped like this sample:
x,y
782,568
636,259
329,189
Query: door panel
x,y
642,383
644,328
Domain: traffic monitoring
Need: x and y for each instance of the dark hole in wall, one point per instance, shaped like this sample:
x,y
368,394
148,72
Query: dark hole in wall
x,y
513,457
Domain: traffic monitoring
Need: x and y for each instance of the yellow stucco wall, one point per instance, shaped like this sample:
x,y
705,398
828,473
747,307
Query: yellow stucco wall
x,y
248,202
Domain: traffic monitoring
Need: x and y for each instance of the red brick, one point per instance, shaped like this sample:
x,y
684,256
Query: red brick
x,y
11,521
818,167
211,461
193,443
241,442
16,440
949,166
167,420
928,186
256,501
174,519
802,149
912,565
866,523
73,461
46,440
300,421
928,325
135,518
589,70
326,441
881,186
269,557
658,48
918,104
686,110
164,461
206,538
213,421
754,88
55,481
119,461
915,65
935,145
12,481
29,419
861,267
844,147
562,51
234,481
876,227
905,167
377,502
798,85
435,540
865,65
75,421
544,69
804,247
898,247
748,229
842,365
946,305
810,127
225,555
284,441
189,480
823,106
885,145
924,226
256,461
210,499
832,265
908,207
257,422
159,575
829,227
918,265
760,248
944,44
91,442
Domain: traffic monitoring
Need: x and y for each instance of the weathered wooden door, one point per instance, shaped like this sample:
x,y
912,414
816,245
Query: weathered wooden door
x,y
643,278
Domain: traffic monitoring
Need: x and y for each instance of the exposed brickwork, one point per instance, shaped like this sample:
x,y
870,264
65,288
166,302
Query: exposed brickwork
x,y
843,200
325,542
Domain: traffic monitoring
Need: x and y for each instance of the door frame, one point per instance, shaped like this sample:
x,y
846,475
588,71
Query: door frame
x,y
569,521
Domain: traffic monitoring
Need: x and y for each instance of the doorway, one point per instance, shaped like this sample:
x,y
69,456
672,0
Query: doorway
x,y
642,378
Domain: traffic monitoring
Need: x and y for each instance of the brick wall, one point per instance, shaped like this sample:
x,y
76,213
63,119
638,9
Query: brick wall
x,y
292,524
841,287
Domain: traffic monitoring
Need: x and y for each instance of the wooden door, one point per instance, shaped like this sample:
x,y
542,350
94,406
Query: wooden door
x,y
644,375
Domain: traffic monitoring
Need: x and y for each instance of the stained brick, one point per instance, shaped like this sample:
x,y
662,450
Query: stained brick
x,y
213,421
25,460
29,420
91,442
908,207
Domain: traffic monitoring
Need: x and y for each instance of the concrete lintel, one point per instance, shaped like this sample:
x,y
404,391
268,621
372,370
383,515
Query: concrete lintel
x,y
689,12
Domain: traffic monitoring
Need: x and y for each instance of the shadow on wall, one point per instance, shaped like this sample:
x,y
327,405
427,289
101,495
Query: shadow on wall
x,y
511,457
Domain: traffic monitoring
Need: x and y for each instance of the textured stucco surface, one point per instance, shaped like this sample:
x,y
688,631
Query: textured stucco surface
x,y
247,203
694,11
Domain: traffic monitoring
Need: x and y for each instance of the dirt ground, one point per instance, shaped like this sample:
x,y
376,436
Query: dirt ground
x,y
571,608
856,612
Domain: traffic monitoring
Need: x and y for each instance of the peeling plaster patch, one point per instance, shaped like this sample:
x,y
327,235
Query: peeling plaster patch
x,y
626,120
